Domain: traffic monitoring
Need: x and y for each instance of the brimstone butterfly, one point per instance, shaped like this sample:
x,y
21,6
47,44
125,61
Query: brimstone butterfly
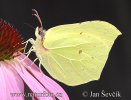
x,y
75,54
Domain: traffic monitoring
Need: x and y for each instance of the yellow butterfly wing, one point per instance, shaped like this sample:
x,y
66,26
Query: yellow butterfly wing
x,y
78,52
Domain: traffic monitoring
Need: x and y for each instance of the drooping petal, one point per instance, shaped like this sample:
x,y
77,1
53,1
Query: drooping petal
x,y
31,81
50,84
2,84
13,86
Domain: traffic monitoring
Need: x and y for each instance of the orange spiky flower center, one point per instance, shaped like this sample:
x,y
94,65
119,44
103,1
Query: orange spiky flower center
x,y
10,41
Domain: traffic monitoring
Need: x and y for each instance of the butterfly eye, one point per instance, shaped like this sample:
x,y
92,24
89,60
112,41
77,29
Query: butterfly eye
x,y
41,33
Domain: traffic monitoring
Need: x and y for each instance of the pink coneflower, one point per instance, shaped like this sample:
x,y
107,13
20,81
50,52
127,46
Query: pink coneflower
x,y
16,69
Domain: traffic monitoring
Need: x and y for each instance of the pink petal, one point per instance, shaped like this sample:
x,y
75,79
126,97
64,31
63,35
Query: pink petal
x,y
32,82
50,84
11,83
2,84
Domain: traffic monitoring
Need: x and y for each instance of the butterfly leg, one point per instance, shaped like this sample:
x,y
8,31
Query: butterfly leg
x,y
40,66
34,61
28,53
31,40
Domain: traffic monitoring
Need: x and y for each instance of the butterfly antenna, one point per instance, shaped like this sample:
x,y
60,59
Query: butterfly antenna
x,y
29,25
35,13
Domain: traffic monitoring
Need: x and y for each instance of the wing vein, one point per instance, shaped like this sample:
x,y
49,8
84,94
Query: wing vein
x,y
57,63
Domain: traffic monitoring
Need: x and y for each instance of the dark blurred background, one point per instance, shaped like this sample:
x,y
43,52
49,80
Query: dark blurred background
x,y
116,75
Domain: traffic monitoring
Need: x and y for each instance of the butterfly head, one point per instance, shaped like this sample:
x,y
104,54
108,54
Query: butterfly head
x,y
39,33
